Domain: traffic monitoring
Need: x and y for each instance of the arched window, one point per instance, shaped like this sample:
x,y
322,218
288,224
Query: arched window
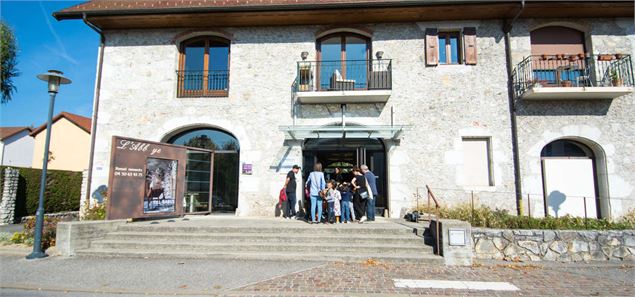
x,y
204,67
558,56
343,61
212,171
570,179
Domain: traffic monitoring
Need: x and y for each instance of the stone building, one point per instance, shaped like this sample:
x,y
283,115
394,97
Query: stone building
x,y
522,102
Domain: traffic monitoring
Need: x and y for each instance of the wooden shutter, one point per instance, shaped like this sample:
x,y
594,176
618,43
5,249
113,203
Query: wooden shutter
x,y
469,42
432,47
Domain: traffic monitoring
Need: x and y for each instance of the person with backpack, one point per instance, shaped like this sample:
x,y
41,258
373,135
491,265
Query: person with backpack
x,y
316,184
347,202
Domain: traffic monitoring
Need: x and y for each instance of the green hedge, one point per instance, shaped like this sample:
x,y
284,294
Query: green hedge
x,y
62,191
483,216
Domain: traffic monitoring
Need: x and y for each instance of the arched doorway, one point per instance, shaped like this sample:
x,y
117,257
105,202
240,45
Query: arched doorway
x,y
570,181
344,153
212,171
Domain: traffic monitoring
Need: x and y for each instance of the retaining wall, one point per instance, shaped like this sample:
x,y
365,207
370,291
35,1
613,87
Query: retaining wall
x,y
554,245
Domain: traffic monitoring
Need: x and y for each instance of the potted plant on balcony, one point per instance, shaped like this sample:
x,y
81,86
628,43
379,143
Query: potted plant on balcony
x,y
536,83
566,83
616,78
619,56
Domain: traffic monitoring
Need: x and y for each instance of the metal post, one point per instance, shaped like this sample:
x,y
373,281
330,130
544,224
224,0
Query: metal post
x,y
472,206
585,214
39,223
392,116
528,206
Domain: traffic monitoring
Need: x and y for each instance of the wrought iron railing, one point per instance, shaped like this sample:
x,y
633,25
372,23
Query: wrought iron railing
x,y
573,71
192,83
343,75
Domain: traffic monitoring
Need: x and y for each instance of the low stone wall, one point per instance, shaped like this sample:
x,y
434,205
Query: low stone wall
x,y
553,245
62,216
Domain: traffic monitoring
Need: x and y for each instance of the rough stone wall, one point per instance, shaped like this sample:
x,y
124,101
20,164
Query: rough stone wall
x,y
553,245
442,104
9,194
606,126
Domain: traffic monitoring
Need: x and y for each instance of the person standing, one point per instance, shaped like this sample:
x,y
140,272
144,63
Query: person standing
x,y
372,184
316,183
290,189
347,202
361,193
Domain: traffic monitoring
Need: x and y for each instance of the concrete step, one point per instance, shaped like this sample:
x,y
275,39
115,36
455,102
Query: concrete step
x,y
295,229
335,247
265,237
271,256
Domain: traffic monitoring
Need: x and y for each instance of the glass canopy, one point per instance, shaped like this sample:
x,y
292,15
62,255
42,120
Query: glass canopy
x,y
300,132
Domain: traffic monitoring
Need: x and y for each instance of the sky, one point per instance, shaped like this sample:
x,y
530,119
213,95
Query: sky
x,y
45,43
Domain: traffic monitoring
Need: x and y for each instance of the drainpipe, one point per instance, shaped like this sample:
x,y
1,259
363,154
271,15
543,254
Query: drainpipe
x,y
507,27
93,129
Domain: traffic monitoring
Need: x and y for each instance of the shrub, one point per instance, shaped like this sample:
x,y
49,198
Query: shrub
x,y
483,216
97,212
5,237
62,191
48,232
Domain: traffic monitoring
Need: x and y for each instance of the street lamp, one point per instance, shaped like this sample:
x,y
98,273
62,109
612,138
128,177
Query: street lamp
x,y
54,78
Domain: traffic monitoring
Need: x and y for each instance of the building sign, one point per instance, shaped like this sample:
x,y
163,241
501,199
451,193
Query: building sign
x,y
247,168
145,179
457,236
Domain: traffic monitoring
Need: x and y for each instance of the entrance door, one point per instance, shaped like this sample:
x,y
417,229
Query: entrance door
x,y
344,153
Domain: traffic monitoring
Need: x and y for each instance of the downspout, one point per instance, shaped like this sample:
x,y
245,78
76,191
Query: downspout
x,y
93,130
507,27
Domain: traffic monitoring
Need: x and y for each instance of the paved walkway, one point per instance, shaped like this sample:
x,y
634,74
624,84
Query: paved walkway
x,y
57,276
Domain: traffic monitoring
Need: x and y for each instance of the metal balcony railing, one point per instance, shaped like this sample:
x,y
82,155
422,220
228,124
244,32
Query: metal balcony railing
x,y
573,71
192,83
345,75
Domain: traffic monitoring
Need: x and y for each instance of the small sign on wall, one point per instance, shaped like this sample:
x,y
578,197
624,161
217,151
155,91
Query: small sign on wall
x,y
247,168
457,236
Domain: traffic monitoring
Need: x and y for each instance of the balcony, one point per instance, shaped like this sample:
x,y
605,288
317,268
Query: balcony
x,y
576,77
350,81
213,83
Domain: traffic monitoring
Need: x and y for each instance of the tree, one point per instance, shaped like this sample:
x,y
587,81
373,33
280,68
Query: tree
x,y
8,70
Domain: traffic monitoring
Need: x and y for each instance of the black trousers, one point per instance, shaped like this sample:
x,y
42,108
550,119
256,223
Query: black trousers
x,y
359,206
290,211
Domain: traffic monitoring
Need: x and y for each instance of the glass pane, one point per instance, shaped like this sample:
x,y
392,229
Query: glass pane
x,y
331,55
442,51
194,59
225,187
197,181
218,66
356,67
207,139
454,46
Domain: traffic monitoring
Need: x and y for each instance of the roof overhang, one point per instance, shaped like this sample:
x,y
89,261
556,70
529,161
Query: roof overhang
x,y
341,13
301,132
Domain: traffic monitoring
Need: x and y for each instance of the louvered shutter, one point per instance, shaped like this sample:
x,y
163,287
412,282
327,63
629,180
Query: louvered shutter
x,y
432,47
469,41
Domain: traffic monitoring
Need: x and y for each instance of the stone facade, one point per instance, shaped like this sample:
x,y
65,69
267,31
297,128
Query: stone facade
x,y
606,126
553,245
9,194
442,104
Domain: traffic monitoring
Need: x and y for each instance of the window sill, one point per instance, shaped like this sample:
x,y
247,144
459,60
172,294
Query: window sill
x,y
202,94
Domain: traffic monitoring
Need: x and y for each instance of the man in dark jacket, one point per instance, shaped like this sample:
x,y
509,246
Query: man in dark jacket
x,y
289,188
372,183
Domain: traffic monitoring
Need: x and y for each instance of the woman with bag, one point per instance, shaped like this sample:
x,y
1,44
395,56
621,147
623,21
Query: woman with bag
x,y
362,193
316,183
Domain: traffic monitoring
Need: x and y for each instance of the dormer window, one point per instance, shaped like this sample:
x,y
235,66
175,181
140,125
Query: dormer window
x,y
204,67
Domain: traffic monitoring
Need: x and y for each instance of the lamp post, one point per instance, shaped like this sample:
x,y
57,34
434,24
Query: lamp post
x,y
54,78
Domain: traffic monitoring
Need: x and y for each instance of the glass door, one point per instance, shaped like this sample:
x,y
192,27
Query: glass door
x,y
198,180
225,182
343,62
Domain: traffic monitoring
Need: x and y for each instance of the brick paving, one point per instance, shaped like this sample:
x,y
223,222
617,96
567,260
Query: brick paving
x,y
376,279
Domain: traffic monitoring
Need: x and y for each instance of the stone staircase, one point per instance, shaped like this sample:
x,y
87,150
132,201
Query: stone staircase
x,y
263,239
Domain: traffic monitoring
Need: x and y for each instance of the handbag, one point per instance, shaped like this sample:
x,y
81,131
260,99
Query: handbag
x,y
364,195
